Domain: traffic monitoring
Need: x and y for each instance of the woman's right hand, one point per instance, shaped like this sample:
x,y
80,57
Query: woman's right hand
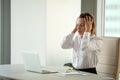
x,y
75,29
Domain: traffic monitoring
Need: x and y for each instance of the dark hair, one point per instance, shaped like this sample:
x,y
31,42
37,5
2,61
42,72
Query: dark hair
x,y
83,15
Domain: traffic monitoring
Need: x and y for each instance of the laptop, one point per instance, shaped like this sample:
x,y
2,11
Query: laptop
x,y
32,63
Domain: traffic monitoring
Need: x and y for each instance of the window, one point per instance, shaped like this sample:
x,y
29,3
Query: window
x,y
112,18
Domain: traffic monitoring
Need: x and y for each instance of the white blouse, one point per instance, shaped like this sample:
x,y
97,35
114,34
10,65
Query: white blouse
x,y
85,49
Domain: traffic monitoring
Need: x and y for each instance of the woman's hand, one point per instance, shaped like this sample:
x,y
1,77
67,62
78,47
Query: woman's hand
x,y
88,23
75,29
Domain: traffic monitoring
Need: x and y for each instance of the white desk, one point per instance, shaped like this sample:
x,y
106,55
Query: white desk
x,y
18,72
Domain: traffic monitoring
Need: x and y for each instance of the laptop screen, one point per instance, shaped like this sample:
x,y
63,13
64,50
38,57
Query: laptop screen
x,y
32,62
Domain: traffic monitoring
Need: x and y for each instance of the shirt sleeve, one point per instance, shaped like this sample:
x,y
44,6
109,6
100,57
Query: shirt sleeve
x,y
94,45
68,41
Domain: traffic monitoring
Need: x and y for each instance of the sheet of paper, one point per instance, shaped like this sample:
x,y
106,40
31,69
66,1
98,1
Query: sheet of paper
x,y
72,73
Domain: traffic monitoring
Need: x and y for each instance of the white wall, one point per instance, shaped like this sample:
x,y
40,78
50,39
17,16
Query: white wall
x,y
39,26
28,28
61,19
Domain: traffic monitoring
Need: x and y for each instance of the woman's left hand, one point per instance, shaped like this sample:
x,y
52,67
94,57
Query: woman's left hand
x,y
88,23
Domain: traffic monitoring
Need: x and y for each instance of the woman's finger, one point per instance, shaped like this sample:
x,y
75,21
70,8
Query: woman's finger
x,y
86,18
90,18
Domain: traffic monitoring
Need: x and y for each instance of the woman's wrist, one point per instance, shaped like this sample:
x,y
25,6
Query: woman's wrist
x,y
74,30
87,31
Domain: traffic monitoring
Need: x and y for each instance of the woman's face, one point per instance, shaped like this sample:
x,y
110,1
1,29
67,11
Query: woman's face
x,y
80,26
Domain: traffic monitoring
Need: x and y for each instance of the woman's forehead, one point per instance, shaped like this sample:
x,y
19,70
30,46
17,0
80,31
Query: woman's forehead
x,y
80,20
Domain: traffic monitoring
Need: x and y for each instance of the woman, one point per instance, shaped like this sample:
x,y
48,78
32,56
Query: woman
x,y
86,45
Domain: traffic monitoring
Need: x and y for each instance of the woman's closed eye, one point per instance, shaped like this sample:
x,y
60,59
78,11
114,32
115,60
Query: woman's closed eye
x,y
82,25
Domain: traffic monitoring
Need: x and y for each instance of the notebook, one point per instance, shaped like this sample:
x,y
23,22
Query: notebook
x,y
32,63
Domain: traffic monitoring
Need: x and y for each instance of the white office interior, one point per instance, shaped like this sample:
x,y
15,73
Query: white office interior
x,y
39,26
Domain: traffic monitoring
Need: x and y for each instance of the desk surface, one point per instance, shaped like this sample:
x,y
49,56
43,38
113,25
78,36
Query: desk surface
x,y
18,72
